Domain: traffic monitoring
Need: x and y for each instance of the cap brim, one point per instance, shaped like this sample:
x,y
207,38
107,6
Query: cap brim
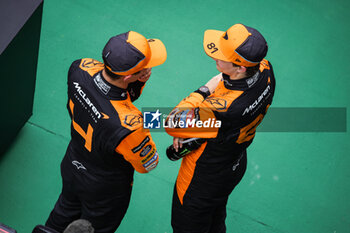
x,y
158,51
211,44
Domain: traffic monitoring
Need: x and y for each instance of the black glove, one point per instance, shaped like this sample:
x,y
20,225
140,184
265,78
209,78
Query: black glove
x,y
188,145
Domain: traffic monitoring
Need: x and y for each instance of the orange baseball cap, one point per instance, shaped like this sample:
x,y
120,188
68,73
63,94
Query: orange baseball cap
x,y
240,44
130,52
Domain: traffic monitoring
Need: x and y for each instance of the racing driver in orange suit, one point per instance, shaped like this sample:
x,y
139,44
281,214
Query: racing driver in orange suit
x,y
237,99
107,139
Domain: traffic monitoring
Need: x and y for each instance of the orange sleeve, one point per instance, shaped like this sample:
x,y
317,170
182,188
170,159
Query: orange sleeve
x,y
198,119
193,100
139,149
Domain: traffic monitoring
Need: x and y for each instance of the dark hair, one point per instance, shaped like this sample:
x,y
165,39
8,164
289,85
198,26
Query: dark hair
x,y
112,75
117,76
250,70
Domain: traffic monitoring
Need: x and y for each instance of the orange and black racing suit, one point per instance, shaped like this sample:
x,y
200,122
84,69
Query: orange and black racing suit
x,y
107,144
209,174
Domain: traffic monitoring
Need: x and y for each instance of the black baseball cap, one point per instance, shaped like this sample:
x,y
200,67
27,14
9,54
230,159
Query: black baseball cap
x,y
240,44
130,52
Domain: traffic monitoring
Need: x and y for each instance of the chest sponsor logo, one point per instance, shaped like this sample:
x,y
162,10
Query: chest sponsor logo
x,y
251,81
257,101
90,63
78,164
104,87
228,83
218,103
105,116
133,120
87,100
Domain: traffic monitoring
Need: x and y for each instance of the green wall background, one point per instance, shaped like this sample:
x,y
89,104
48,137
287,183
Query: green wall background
x,y
295,182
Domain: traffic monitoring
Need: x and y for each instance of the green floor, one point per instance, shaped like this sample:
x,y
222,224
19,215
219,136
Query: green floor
x,y
295,182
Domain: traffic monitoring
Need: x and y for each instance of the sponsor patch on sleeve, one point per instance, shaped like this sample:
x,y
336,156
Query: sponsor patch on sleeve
x,y
142,144
152,162
143,161
145,151
151,166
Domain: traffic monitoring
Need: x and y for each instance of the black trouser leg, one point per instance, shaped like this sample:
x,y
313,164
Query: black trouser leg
x,y
66,210
206,214
107,212
102,200
218,224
